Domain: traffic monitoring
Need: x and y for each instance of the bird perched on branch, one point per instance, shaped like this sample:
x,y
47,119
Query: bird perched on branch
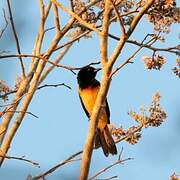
x,y
88,90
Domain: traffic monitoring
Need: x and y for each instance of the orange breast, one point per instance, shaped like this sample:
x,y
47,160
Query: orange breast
x,y
88,97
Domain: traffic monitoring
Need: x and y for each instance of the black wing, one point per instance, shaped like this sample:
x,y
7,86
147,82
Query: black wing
x,y
107,111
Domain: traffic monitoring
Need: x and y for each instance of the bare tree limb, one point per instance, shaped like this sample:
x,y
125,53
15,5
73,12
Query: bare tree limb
x,y
23,159
25,82
31,90
80,20
56,19
138,17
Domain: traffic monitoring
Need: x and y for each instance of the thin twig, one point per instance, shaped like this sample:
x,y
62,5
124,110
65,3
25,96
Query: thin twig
x,y
54,85
119,18
47,9
27,112
69,159
22,159
48,29
73,40
130,57
56,60
50,62
16,39
108,167
137,129
3,30
120,154
40,87
113,177
8,93
169,49
121,41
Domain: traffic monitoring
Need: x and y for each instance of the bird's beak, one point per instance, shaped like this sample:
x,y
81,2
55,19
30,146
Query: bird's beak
x,y
97,69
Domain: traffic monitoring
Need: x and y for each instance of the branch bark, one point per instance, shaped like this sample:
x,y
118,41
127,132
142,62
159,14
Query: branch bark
x,y
105,80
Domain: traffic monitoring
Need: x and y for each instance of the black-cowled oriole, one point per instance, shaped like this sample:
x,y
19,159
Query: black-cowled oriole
x,y
88,90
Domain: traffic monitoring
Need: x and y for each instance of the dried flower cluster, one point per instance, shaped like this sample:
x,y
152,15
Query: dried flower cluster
x,y
155,62
154,118
176,69
3,90
162,14
156,114
88,16
126,5
131,134
174,177
18,82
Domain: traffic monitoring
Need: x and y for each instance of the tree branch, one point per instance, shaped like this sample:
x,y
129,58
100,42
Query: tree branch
x,y
6,21
69,159
138,17
119,161
80,20
40,87
54,85
27,112
23,159
46,60
132,56
25,82
54,168
169,49
16,39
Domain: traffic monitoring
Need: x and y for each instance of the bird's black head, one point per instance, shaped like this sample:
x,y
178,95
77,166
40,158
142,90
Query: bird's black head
x,y
86,75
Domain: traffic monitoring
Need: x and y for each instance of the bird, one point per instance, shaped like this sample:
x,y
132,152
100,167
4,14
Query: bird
x,y
88,88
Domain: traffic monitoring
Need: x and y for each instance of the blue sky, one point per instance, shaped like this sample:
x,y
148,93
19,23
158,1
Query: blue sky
x,y
61,127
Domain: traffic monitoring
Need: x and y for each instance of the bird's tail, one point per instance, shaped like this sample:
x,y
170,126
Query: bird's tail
x,y
105,140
